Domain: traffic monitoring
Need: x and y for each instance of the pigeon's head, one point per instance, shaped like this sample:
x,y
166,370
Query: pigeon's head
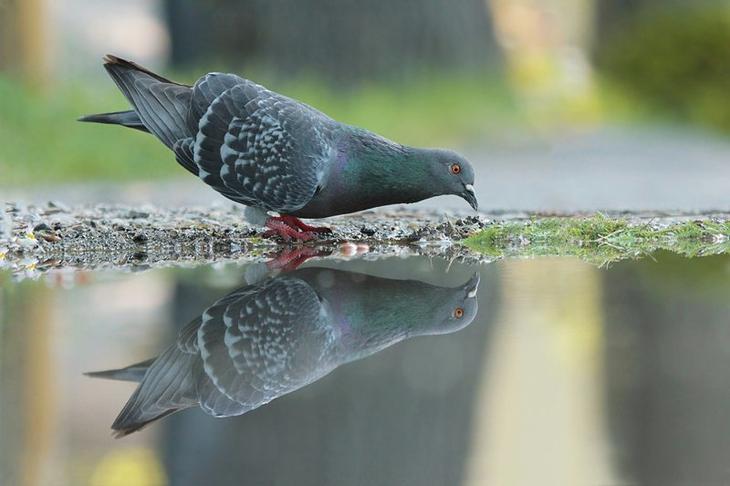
x,y
457,310
453,174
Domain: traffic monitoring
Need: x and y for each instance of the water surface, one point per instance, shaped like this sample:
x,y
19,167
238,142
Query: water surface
x,y
392,371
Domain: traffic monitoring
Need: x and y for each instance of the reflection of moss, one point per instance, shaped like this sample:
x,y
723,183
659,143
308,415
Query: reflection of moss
x,y
709,276
599,239
676,59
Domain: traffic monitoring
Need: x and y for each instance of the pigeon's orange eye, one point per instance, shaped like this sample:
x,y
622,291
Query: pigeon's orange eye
x,y
455,168
458,312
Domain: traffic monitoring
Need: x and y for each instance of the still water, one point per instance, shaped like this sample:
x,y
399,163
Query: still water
x,y
395,371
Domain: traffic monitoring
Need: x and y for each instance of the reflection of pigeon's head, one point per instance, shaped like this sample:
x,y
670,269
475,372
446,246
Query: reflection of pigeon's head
x,y
379,312
458,308
265,340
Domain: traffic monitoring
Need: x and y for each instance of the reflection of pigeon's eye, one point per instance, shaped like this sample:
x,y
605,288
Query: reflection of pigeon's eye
x,y
458,312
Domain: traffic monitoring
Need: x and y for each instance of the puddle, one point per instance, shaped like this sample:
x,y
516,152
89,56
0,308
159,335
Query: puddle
x,y
385,371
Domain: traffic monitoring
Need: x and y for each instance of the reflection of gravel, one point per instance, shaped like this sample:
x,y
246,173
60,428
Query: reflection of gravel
x,y
35,238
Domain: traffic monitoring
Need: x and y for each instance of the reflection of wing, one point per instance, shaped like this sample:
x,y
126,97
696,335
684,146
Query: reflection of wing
x,y
251,346
263,344
168,385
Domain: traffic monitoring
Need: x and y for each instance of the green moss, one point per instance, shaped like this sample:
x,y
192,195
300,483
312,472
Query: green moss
x,y
600,239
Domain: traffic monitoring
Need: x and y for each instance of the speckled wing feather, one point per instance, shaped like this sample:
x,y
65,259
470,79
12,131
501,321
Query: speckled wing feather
x,y
262,344
255,146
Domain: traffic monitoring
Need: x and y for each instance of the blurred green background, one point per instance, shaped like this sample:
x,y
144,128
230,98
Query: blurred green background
x,y
423,72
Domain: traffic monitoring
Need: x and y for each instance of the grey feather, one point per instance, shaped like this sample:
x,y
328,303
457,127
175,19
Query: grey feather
x,y
267,149
161,104
134,372
128,118
256,216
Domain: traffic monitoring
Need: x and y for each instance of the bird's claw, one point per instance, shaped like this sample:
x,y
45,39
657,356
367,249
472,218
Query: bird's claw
x,y
291,228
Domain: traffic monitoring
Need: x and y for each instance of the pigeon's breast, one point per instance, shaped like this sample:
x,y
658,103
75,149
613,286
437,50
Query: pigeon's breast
x,y
331,197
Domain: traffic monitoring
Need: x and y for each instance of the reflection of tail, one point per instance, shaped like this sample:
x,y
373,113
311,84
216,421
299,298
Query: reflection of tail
x,y
166,385
133,372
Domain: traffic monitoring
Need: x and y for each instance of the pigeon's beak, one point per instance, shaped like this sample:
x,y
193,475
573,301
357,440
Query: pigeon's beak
x,y
471,286
470,197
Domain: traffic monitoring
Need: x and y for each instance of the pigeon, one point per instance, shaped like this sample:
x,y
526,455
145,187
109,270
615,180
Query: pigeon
x,y
277,155
271,338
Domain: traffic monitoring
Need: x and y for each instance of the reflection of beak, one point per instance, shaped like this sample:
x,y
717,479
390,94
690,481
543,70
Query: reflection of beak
x,y
470,197
471,286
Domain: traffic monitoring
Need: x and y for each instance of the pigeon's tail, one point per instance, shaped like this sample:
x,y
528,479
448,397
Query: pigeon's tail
x,y
161,105
128,118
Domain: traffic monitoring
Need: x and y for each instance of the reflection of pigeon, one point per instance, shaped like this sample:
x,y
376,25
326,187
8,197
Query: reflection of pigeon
x,y
266,340
273,153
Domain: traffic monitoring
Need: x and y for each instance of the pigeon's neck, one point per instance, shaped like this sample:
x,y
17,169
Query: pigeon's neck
x,y
385,172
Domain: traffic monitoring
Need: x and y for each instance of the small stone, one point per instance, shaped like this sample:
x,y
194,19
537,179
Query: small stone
x,y
367,230
348,249
139,256
50,237
135,214
140,238
41,227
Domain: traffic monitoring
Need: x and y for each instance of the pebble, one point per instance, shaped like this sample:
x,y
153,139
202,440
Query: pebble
x,y
140,238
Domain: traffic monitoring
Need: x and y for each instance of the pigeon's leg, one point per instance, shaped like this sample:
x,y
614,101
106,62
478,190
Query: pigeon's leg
x,y
290,227
298,223
280,228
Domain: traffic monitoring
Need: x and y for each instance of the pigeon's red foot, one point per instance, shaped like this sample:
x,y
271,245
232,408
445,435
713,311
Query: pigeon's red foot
x,y
290,259
292,228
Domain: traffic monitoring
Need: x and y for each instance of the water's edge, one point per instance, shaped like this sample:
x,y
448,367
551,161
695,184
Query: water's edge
x,y
35,239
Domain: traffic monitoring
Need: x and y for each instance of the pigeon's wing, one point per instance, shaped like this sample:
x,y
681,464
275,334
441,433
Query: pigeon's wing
x,y
255,146
261,345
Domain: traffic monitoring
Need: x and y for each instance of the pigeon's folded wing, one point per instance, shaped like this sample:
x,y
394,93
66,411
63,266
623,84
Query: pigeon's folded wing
x,y
256,146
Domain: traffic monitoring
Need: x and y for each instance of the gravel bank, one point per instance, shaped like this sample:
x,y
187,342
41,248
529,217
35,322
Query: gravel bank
x,y
38,238
34,238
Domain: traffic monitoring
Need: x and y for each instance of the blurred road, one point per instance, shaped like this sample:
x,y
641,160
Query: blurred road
x,y
612,169
607,169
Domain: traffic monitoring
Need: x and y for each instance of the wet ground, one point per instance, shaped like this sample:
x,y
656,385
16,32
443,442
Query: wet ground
x,y
396,370
36,238
52,235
